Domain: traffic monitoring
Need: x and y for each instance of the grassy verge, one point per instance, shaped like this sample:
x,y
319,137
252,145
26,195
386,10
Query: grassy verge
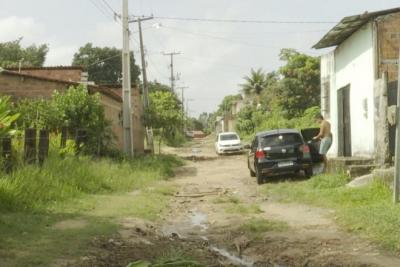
x,y
53,212
368,210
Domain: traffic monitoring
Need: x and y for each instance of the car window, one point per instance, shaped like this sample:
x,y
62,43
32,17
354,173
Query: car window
x,y
281,139
228,137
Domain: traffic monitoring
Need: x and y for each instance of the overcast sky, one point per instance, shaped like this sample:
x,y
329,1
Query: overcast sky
x,y
215,56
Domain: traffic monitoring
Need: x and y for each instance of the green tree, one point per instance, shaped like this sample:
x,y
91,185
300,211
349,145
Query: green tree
x,y
156,86
104,64
226,105
165,114
39,114
7,117
11,53
254,84
299,87
80,110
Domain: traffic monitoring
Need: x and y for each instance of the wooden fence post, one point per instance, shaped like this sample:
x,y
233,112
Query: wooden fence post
x,y
30,146
7,154
43,145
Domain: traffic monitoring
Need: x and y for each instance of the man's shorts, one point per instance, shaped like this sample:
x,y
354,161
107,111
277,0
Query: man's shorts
x,y
326,143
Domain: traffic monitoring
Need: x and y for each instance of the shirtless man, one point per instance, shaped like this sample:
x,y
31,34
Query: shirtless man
x,y
326,138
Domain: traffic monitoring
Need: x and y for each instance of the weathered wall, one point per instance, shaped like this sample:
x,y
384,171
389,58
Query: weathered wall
x,y
65,74
354,65
388,28
382,154
24,87
138,130
113,113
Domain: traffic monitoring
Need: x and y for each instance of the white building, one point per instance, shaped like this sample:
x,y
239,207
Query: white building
x,y
356,79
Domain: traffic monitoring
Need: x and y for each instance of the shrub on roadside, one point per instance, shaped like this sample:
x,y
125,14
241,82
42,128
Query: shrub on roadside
x,y
31,187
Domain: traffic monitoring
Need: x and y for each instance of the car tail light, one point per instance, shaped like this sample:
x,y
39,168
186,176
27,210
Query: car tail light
x,y
260,154
306,149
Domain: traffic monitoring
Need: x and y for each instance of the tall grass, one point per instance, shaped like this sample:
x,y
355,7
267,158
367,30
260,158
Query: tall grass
x,y
32,187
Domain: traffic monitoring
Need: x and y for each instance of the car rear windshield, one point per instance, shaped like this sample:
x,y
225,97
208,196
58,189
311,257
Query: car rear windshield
x,y
281,140
226,137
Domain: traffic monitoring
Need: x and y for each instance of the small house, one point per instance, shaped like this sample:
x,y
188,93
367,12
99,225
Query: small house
x,y
359,82
42,82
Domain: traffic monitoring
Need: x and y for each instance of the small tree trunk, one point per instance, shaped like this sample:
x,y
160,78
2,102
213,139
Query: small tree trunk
x,y
64,133
7,154
30,146
43,146
80,138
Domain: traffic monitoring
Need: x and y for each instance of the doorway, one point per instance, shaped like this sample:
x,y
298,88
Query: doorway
x,y
344,122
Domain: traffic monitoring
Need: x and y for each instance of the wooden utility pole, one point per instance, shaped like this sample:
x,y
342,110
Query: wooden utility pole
x,y
126,82
396,184
149,131
183,106
172,54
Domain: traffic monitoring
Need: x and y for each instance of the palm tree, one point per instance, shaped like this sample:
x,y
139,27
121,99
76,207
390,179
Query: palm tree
x,y
255,83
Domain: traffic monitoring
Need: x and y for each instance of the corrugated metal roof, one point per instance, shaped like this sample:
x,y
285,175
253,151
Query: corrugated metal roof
x,y
349,25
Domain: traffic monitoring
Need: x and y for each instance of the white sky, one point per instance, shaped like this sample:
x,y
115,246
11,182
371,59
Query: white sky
x,y
215,56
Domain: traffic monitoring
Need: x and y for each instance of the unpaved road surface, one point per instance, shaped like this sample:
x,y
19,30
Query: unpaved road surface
x,y
216,197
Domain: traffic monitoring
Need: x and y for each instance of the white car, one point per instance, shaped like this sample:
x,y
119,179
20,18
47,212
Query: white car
x,y
228,142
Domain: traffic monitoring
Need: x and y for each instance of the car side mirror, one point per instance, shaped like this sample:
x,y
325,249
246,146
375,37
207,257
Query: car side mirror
x,y
247,146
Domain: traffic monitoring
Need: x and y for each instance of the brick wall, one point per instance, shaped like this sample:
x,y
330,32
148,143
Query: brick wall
x,y
388,44
25,87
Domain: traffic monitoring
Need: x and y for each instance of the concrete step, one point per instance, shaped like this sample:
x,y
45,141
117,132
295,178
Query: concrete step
x,y
341,164
359,170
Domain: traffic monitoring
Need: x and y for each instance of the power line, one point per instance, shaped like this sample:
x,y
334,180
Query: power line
x,y
110,7
101,9
244,21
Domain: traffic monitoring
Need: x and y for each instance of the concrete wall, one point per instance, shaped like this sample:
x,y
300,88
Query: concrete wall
x,y
354,66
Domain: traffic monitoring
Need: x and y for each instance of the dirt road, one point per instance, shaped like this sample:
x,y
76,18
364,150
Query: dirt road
x,y
220,217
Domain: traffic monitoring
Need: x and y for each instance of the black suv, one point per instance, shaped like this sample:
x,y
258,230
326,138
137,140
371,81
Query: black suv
x,y
281,151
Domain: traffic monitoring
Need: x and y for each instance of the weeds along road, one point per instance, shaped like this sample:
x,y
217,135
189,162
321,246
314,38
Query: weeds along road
x,y
220,217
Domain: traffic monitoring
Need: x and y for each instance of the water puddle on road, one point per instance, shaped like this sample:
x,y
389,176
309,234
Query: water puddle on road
x,y
234,259
199,219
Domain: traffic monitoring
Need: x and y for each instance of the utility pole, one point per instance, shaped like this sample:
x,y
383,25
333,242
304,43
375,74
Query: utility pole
x,y
172,54
126,82
142,53
149,131
183,107
396,184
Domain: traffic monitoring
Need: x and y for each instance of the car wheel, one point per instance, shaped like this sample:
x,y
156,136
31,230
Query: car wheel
x,y
252,174
308,172
260,178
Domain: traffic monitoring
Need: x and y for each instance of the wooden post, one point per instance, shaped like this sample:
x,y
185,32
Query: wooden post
x,y
396,183
30,146
43,145
7,154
